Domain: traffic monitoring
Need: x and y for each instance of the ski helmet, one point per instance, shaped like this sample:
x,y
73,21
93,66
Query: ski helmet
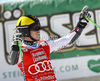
x,y
26,23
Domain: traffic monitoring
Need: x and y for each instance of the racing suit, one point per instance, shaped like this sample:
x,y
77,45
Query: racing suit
x,y
36,57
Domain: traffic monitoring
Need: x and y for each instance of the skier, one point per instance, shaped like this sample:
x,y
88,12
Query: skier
x,y
36,54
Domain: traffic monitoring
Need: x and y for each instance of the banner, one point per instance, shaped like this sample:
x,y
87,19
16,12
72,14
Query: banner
x,y
71,68
57,18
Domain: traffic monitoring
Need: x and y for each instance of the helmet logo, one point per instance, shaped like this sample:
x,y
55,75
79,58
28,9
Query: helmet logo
x,y
33,17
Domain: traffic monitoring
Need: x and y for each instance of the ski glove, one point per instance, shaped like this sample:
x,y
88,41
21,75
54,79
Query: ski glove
x,y
83,15
82,20
17,36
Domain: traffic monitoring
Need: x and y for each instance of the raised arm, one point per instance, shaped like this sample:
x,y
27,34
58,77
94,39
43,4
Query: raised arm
x,y
72,36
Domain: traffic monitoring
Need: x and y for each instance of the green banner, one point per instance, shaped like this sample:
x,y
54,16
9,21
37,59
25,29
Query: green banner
x,y
58,18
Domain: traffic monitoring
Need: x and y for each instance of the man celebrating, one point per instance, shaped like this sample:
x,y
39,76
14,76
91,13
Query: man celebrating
x,y
36,54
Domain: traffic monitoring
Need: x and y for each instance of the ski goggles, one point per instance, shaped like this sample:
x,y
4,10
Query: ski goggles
x,y
35,27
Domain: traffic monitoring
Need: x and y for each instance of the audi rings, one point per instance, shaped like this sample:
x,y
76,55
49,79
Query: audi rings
x,y
40,67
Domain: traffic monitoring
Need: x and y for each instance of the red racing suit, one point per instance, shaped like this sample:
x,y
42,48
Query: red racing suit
x,y
37,65
36,59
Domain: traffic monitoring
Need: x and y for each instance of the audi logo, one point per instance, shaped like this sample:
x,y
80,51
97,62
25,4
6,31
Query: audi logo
x,y
40,67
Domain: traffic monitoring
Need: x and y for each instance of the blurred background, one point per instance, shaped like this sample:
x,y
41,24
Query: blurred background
x,y
78,62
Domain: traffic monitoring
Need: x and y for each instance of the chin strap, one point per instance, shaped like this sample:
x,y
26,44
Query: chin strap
x,y
32,38
30,42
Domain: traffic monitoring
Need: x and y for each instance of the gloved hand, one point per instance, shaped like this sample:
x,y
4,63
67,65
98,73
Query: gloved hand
x,y
17,36
82,20
83,15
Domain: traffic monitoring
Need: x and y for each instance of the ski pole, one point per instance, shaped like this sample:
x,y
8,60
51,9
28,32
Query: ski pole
x,y
92,22
84,9
19,44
